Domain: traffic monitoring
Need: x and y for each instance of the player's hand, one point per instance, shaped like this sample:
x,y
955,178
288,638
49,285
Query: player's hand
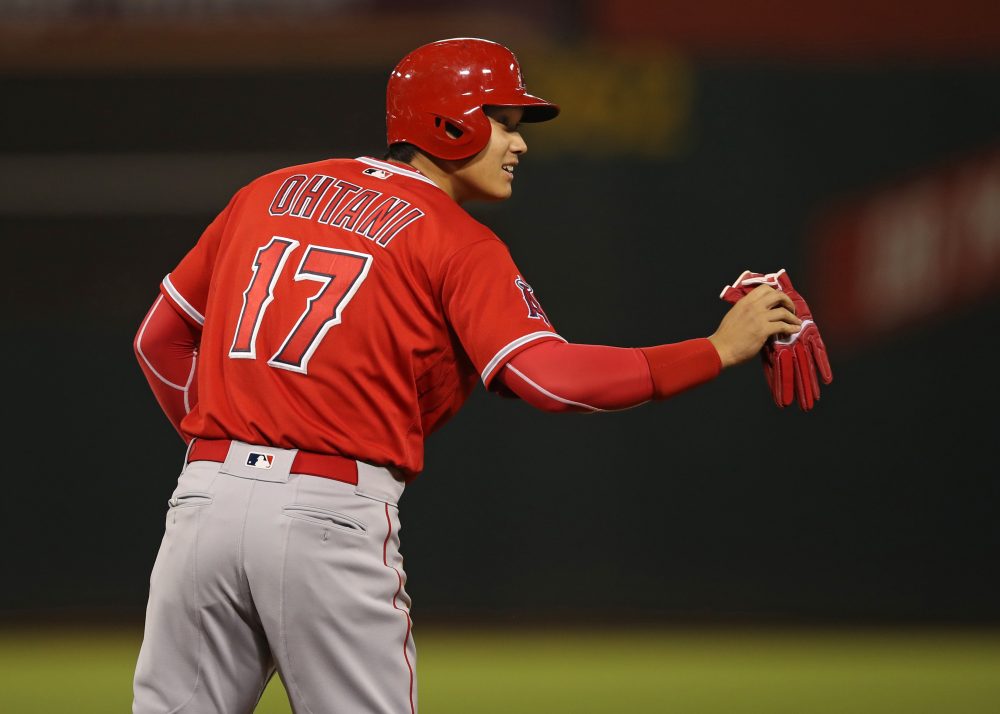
x,y
760,314
793,365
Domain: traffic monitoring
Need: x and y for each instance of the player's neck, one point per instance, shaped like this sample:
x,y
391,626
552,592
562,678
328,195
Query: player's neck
x,y
440,176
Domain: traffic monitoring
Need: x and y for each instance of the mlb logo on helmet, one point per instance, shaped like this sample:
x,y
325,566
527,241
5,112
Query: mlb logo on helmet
x,y
260,461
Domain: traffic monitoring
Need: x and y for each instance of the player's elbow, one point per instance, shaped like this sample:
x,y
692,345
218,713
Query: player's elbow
x,y
539,396
147,343
137,345
554,406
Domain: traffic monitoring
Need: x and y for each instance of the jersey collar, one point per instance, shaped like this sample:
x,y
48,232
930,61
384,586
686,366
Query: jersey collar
x,y
397,169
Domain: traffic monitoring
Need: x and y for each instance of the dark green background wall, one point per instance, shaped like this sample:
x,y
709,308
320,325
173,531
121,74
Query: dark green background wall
x,y
881,504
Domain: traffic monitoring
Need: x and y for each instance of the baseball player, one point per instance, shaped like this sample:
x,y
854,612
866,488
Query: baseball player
x,y
330,318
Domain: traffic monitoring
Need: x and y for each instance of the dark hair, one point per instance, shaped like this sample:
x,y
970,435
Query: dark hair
x,y
401,152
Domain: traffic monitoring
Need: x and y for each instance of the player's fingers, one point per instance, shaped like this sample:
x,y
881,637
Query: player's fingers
x,y
770,297
779,328
782,314
761,293
786,302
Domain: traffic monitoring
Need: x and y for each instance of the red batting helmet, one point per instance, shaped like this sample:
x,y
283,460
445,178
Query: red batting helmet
x,y
436,95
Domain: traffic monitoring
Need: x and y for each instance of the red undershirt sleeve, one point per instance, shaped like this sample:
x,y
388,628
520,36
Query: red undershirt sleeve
x,y
166,346
680,366
559,377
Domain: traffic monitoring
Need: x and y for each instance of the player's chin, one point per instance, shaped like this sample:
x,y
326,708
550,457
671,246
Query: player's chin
x,y
501,192
492,192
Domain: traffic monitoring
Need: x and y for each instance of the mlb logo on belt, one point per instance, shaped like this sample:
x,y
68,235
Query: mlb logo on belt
x,y
260,461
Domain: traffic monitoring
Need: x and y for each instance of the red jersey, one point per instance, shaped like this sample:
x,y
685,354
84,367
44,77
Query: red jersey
x,y
347,306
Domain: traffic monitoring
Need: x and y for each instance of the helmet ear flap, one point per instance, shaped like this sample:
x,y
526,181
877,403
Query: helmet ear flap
x,y
447,129
450,136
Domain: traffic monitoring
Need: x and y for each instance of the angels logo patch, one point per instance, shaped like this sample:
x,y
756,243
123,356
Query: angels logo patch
x,y
535,310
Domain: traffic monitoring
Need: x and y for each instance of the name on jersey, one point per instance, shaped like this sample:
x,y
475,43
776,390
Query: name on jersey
x,y
344,205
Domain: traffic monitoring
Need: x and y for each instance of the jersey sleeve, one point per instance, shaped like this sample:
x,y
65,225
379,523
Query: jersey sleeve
x,y
186,286
491,307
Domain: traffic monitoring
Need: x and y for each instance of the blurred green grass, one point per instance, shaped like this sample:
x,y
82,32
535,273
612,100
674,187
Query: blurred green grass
x,y
487,671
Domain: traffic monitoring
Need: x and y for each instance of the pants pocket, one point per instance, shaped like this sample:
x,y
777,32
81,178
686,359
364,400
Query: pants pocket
x,y
188,499
325,518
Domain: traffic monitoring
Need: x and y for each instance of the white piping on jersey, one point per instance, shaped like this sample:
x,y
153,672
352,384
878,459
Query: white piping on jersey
x,y
549,394
393,168
186,388
181,302
504,351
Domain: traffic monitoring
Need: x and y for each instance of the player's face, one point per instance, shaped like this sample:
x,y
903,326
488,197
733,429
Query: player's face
x,y
489,175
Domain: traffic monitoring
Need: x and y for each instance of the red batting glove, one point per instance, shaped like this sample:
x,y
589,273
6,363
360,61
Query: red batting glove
x,y
790,363
807,348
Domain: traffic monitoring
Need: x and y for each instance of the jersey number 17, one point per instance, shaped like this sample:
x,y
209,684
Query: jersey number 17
x,y
339,273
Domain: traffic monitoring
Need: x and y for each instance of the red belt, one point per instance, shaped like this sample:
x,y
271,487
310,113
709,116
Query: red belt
x,y
338,468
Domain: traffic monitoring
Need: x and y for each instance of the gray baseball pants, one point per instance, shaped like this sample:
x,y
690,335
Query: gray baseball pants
x,y
263,570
